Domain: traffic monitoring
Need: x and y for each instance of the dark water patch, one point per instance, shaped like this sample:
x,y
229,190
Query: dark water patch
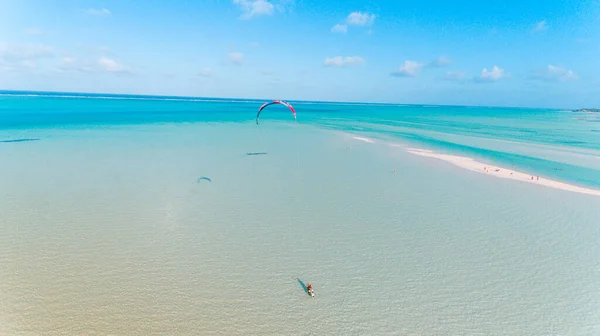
x,y
571,142
21,140
257,153
528,131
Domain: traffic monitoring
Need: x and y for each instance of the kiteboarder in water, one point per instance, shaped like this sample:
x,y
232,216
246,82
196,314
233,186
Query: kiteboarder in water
x,y
309,289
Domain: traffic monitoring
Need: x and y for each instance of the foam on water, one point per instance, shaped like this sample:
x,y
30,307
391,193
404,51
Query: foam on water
x,y
106,231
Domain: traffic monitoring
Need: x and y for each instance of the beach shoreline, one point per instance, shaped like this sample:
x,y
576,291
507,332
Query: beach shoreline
x,y
487,168
500,172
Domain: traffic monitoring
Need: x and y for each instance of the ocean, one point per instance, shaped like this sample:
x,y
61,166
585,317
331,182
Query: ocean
x,y
138,215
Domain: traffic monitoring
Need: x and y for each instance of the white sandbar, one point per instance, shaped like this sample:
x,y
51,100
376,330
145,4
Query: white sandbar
x,y
363,139
480,167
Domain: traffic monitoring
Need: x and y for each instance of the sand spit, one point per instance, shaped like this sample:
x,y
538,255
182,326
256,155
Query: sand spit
x,y
363,139
480,167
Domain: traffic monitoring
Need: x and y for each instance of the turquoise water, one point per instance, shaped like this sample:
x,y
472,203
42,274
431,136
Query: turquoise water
x,y
560,145
105,228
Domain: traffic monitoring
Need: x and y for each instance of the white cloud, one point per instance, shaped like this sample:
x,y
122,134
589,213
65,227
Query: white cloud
x,y
252,8
24,65
12,53
408,69
236,58
94,59
73,64
110,65
205,72
540,26
491,75
339,61
354,19
454,75
360,19
102,64
440,62
339,28
556,73
97,12
68,63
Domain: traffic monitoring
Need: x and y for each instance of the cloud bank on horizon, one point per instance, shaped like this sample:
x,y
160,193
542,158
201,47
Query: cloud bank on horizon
x,y
412,52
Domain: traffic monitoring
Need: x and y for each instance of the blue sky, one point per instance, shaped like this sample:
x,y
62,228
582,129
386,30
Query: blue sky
x,y
507,53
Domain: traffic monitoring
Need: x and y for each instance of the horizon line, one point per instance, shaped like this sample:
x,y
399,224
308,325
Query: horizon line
x,y
265,99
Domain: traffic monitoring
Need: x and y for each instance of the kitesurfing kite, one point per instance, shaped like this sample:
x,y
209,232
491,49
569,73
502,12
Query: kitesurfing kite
x,y
281,102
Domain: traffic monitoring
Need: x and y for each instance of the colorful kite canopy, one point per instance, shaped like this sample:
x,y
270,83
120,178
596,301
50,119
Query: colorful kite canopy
x,y
281,102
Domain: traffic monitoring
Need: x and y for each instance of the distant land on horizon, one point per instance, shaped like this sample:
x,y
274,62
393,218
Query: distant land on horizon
x,y
149,96
595,110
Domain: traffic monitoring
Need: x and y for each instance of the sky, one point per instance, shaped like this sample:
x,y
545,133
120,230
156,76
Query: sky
x,y
498,53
